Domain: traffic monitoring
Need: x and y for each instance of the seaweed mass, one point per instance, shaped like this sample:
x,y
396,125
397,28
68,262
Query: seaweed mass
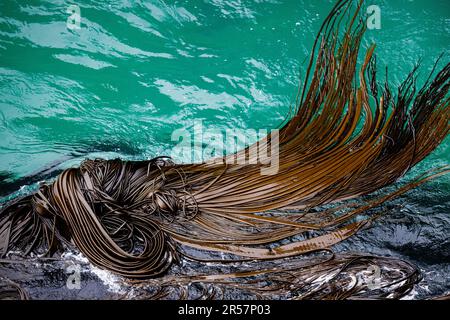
x,y
348,136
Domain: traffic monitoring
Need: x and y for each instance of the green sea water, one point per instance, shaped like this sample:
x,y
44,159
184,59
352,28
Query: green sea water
x,y
135,71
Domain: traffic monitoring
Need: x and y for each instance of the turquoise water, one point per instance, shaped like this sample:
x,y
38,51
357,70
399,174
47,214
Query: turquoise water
x,y
135,71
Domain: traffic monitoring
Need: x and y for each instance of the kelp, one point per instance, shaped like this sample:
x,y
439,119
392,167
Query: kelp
x,y
348,136
322,277
9,290
319,275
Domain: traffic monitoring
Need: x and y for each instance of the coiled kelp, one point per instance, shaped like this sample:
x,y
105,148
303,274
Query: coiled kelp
x,y
348,136
10,290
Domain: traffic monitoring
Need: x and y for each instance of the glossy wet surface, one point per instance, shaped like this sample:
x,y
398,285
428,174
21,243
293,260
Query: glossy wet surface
x,y
136,71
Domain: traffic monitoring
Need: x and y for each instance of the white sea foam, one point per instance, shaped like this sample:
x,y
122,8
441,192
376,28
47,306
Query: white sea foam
x,y
113,282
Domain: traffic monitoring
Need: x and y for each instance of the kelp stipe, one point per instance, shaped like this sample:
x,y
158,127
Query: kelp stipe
x,y
132,217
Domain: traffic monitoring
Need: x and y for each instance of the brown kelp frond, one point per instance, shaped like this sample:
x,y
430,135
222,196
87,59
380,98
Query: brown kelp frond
x,y
9,290
109,223
443,298
349,136
330,277
22,227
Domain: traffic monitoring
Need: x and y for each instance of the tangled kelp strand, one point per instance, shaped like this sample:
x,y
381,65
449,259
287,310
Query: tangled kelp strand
x,y
9,290
130,216
330,277
322,275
